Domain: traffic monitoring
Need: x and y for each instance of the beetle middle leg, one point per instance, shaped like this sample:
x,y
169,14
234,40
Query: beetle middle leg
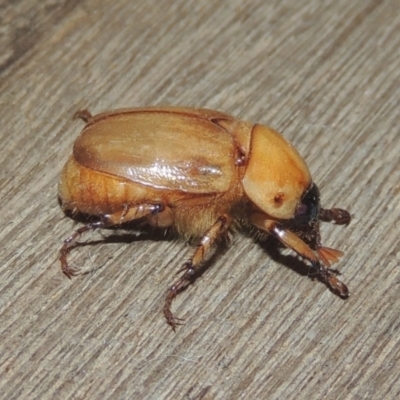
x,y
84,115
193,266
294,242
129,213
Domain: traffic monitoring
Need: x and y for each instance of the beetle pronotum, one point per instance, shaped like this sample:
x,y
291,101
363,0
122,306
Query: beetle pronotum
x,y
198,172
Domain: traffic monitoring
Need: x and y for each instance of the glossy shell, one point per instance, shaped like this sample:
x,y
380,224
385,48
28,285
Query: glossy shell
x,y
159,148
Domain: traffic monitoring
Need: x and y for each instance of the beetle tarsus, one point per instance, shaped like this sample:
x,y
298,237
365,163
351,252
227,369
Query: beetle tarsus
x,y
68,271
329,277
336,215
173,321
70,243
173,291
188,273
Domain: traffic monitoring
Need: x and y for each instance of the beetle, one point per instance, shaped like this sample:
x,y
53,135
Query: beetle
x,y
201,173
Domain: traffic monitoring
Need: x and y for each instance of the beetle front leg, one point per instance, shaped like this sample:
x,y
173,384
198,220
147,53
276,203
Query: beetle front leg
x,y
193,266
294,242
129,213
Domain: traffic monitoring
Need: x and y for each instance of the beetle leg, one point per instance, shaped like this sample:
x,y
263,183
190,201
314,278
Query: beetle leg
x,y
294,242
129,213
84,115
337,215
70,242
193,266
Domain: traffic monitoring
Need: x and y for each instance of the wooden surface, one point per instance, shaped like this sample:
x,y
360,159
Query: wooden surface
x,y
327,75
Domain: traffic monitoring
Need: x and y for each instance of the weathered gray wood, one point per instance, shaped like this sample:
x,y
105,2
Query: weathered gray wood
x,y
327,74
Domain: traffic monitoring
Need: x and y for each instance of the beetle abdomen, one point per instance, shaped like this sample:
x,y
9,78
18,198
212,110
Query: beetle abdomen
x,y
91,192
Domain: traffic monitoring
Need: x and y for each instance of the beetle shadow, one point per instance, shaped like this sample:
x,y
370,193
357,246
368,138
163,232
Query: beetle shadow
x,y
128,236
129,232
115,237
273,247
137,231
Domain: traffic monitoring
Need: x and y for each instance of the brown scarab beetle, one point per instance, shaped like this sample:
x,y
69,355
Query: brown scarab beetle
x,y
199,172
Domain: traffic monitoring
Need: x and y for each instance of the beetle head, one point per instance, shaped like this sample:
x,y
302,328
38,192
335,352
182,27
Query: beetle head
x,y
307,211
305,222
276,176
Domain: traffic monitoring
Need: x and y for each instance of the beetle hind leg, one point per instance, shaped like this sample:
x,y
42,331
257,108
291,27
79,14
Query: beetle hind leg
x,y
127,214
70,243
192,267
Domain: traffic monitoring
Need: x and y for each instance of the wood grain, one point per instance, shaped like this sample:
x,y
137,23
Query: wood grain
x,y
327,75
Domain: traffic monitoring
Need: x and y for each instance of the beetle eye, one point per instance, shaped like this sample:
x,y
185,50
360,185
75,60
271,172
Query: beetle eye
x,y
308,208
